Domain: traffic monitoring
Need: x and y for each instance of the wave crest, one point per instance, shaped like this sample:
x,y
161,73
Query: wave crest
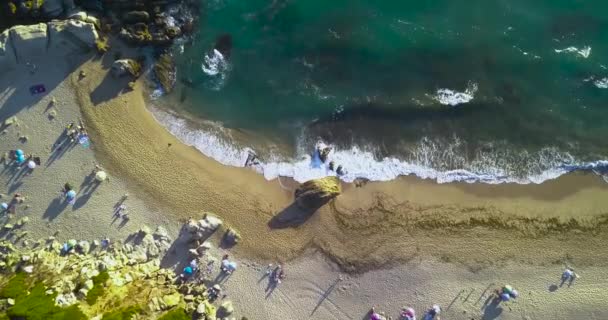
x,y
443,161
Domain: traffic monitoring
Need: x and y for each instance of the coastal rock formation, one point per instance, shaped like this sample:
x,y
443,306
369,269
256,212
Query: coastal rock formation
x,y
71,35
124,67
164,70
21,44
89,280
201,229
29,41
313,194
7,52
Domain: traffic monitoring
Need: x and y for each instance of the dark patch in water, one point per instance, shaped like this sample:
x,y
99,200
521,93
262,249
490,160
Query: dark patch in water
x,y
223,44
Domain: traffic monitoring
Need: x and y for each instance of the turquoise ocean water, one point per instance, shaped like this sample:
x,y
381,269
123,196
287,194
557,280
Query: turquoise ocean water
x,y
482,90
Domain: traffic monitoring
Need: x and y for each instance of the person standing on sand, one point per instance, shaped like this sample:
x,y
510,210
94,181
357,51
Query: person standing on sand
x,y
433,313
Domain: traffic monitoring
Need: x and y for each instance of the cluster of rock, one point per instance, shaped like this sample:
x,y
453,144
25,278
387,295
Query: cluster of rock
x,y
69,269
21,44
199,230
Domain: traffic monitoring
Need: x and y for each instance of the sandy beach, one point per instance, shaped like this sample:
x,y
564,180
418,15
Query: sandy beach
x,y
407,242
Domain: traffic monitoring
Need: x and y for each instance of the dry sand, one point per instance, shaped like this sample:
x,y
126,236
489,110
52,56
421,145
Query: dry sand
x,y
91,216
433,243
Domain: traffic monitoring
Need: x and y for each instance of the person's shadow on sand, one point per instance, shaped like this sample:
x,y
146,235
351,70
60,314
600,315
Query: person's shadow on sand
x,y
491,308
55,208
290,217
90,185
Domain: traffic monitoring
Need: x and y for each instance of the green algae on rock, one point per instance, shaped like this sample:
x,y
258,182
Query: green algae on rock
x,y
176,314
99,282
313,194
122,314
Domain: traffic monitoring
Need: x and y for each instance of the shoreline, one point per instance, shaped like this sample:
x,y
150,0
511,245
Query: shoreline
x,y
406,216
294,157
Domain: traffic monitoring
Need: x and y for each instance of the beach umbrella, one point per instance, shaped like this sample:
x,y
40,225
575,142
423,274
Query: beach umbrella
x,y
188,270
505,297
71,194
101,176
31,164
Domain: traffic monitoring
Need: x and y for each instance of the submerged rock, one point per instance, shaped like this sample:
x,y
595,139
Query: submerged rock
x,y
164,70
313,194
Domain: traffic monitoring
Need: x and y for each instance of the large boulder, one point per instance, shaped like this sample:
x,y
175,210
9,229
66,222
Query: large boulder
x,y
70,35
83,31
313,194
7,52
124,67
29,41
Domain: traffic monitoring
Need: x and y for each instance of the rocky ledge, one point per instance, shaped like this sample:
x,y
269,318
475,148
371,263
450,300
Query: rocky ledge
x,y
104,280
21,44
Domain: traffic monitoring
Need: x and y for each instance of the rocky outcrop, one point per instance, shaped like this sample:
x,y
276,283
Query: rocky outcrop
x,y
7,52
313,194
22,44
93,277
123,67
164,70
136,16
203,228
29,41
71,35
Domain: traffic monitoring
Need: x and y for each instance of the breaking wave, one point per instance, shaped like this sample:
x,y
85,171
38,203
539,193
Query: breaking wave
x,y
216,67
585,52
441,161
453,98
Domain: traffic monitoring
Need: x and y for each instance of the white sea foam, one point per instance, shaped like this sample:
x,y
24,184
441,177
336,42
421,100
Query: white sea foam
x,y
425,161
222,149
601,83
585,52
216,67
453,98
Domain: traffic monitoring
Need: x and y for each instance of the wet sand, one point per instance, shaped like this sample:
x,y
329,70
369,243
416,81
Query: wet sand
x,y
378,224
